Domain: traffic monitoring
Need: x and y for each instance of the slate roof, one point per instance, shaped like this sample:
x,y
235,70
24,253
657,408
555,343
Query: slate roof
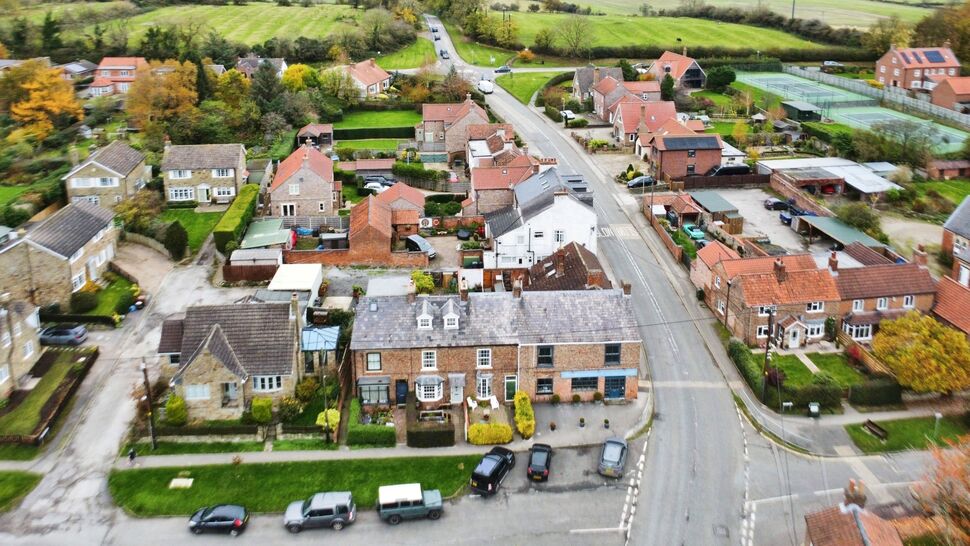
x,y
577,261
171,340
497,318
70,228
217,344
503,221
959,221
794,287
304,156
688,142
248,65
532,196
260,335
117,156
952,303
202,156
879,281
836,526
865,255
584,76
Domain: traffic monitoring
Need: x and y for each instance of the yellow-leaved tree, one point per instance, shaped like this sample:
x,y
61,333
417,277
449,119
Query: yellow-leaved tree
x,y
38,99
162,92
232,87
299,77
925,355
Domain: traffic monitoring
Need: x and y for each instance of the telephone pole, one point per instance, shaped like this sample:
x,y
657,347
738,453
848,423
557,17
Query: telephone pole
x,y
148,400
764,368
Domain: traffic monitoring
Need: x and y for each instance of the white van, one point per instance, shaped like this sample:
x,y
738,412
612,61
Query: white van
x,y
486,87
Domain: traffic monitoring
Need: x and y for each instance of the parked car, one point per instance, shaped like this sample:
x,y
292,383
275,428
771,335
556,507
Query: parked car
x,y
486,87
672,218
540,462
775,204
612,457
832,64
452,177
382,180
785,218
407,501
444,54
375,187
641,182
491,471
436,36
829,189
64,334
567,114
221,518
503,69
693,231
417,243
334,510
725,170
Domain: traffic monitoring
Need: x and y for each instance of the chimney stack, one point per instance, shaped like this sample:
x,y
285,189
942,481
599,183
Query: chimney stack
x,y
919,256
463,289
685,51
517,288
834,262
946,43
468,97
855,494
412,291
560,262
780,269
596,75
168,143
626,288
294,307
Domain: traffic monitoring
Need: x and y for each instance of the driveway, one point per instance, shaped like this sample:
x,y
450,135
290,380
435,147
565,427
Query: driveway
x,y
447,248
146,264
759,221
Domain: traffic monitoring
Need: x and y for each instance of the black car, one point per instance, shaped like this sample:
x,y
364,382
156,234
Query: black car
x,y
727,170
383,181
444,54
775,204
503,69
491,471
641,182
221,518
540,461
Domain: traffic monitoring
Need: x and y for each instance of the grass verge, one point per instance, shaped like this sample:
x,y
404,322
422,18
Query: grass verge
x,y
524,84
198,224
304,444
270,487
765,432
182,448
14,485
914,433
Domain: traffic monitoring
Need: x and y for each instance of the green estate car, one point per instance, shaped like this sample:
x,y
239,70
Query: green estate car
x,y
407,501
693,232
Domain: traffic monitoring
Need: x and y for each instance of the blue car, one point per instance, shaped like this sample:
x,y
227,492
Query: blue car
x,y
693,231
785,218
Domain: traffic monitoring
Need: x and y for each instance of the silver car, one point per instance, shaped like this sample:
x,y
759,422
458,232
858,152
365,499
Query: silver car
x,y
334,510
613,457
417,243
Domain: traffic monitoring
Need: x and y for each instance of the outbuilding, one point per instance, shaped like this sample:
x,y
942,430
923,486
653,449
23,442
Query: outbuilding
x,y
797,110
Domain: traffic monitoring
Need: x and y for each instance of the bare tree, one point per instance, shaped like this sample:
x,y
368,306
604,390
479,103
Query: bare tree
x,y
574,33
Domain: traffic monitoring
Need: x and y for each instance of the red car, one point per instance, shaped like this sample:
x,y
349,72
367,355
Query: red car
x,y
829,189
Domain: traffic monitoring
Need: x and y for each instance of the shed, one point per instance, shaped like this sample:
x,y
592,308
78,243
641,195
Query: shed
x,y
257,256
862,180
801,111
266,234
731,155
712,202
298,278
834,229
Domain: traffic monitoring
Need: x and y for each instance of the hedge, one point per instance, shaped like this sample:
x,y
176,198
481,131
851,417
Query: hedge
x,y
176,414
749,64
373,132
483,434
224,430
822,389
441,435
415,171
553,113
577,123
234,222
182,204
876,392
360,434
825,132
70,317
697,52
525,417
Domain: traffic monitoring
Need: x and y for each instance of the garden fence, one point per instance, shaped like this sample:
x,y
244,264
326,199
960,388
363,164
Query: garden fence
x,y
313,222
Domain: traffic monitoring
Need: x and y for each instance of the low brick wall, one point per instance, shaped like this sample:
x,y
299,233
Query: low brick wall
x,y
455,222
668,242
348,257
802,200
237,273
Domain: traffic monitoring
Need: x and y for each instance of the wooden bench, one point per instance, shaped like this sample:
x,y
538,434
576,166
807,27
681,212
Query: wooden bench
x,y
875,429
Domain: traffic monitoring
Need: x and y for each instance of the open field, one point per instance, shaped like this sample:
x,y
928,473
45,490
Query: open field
x,y
418,54
35,13
10,193
955,190
197,224
524,84
475,53
383,118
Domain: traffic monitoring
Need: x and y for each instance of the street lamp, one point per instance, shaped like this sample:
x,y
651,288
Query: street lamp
x,y
148,400
727,304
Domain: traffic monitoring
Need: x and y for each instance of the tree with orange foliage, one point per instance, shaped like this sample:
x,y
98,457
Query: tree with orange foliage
x,y
946,489
38,99
162,92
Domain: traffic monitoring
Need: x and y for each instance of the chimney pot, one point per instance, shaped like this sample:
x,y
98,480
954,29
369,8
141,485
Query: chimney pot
x,y
412,291
517,288
627,288
855,494
560,262
780,269
463,289
920,257
833,262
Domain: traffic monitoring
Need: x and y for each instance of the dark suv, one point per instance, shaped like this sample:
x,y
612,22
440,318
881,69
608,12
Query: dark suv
x,y
221,518
491,471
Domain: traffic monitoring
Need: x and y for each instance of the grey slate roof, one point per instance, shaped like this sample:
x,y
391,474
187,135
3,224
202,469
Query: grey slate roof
x,y
171,340
584,76
218,345
959,221
497,318
261,335
117,156
503,221
534,195
70,228
202,156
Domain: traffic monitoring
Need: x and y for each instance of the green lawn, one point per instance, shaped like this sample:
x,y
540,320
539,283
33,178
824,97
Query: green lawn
x,y
837,365
283,147
384,118
109,297
719,99
35,12
685,242
23,419
179,448
416,55
869,75
955,190
270,487
726,128
907,434
10,193
796,374
758,95
306,243
352,195
198,224
18,452
524,84
475,53
378,144
304,444
14,485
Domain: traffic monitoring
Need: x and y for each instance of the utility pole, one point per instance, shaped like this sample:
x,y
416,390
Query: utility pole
x,y
148,400
727,305
764,368
792,9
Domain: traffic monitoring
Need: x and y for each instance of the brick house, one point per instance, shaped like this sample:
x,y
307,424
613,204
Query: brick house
x,y
605,93
19,342
639,117
675,157
671,127
685,71
60,255
248,65
725,270
304,185
952,93
223,356
701,269
952,302
848,524
491,187
484,344
203,172
946,169
585,78
917,68
369,78
443,130
875,293
648,90
111,175
572,267
491,144
114,75
956,242
400,196
318,135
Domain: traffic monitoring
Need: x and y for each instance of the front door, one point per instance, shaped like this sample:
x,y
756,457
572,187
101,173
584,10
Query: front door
x,y
230,392
288,209
401,391
794,338
457,392
511,385
203,194
615,387
93,269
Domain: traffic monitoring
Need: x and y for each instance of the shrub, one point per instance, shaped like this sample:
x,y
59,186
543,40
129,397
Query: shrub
x,y
231,247
262,409
577,123
125,301
307,388
176,414
236,219
415,171
329,418
876,392
576,399
423,283
176,240
525,417
290,409
553,113
597,396
555,399
82,302
743,359
360,434
482,434
441,435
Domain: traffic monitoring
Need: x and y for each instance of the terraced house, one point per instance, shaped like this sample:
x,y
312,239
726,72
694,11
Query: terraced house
x,y
19,341
203,172
485,344
304,185
111,175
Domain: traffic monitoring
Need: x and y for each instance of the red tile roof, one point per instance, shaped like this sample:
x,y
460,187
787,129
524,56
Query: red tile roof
x,y
577,264
368,72
625,99
481,131
315,129
766,264
915,57
451,112
695,125
678,63
606,85
307,156
499,178
716,251
877,281
792,287
654,114
370,213
650,86
670,127
837,527
400,190
101,82
110,63
953,304
960,85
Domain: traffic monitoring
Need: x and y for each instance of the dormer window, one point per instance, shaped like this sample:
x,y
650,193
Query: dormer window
x,y
451,323
450,314
424,323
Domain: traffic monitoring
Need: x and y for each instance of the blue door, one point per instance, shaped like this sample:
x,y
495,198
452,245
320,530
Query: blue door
x,y
615,387
401,391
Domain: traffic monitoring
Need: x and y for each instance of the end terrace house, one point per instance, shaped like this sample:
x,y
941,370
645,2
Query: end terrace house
x,y
223,356
111,175
484,344
56,258
203,172
19,342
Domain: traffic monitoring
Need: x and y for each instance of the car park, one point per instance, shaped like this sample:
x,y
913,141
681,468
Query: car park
x,y
503,69
693,231
417,243
334,510
396,503
221,518
567,115
491,471
641,182
444,54
64,334
775,204
613,457
540,462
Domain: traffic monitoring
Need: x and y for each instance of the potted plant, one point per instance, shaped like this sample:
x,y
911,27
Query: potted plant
x,y
598,397
582,422
576,399
552,425
555,399
606,423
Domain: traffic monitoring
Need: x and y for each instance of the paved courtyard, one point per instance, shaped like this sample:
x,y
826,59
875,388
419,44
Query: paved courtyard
x,y
759,221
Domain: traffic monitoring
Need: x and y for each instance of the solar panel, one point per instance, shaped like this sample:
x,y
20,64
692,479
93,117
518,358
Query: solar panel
x,y
934,56
916,56
905,56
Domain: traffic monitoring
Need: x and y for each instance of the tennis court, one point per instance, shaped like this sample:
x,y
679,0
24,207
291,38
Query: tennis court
x,y
794,88
947,139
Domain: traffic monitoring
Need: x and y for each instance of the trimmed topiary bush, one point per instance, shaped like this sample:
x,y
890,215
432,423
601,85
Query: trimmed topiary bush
x,y
525,417
82,301
234,222
483,434
262,409
176,240
125,301
176,414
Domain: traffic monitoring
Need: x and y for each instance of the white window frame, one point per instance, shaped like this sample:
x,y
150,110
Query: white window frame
x,y
541,391
17,329
107,182
322,206
424,323
294,189
77,282
814,307
181,194
5,339
222,173
267,383
4,374
909,301
370,361
559,236
882,304
223,191
720,306
429,360
815,330
717,281
82,182
483,387
429,393
762,331
451,322
179,174
765,310
858,305
916,73
483,358
197,392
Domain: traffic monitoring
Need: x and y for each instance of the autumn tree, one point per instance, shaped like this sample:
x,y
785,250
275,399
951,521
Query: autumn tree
x,y
373,24
337,83
454,87
950,23
885,33
946,490
137,212
232,87
299,77
574,33
925,355
739,131
38,99
3,51
544,41
162,92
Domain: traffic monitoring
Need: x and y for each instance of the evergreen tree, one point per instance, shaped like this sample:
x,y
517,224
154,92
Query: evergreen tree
x,y
50,34
203,87
629,73
667,88
266,90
